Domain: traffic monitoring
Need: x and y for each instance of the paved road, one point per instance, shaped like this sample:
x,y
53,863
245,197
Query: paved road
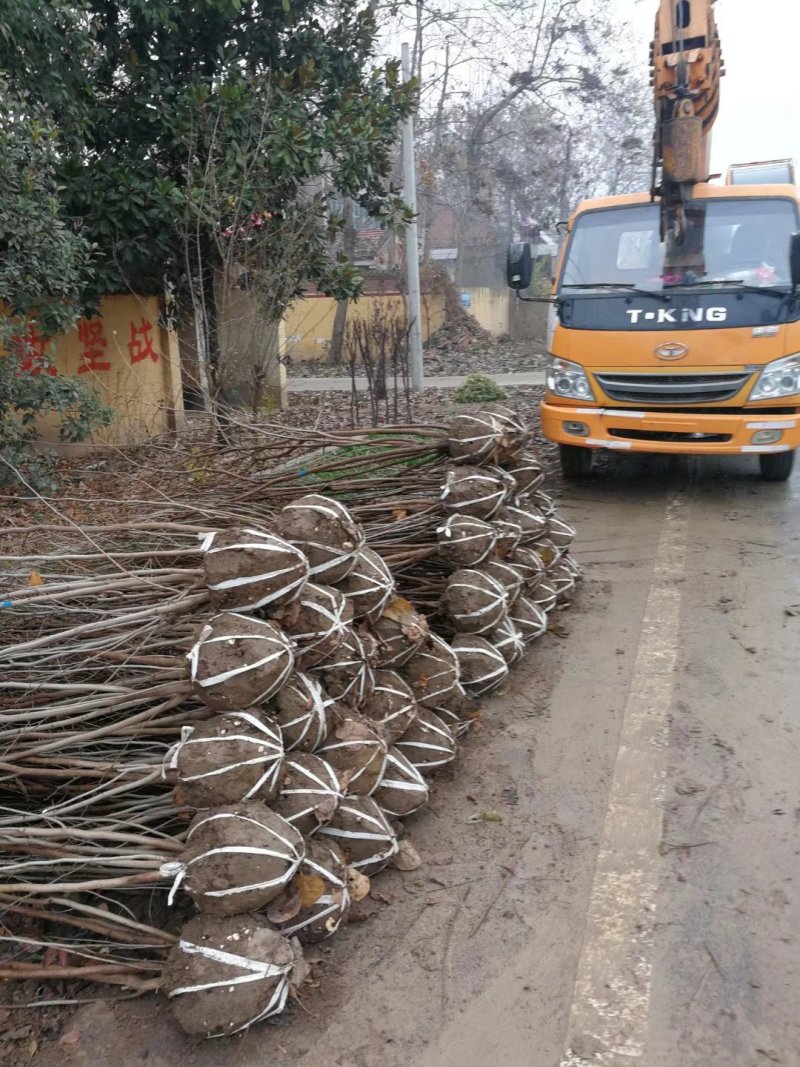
x,y
639,902
320,385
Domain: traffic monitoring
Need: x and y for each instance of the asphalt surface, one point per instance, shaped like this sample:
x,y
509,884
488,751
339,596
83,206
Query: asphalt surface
x,y
638,901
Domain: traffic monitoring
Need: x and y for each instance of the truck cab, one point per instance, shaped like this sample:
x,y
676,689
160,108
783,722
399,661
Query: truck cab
x,y
689,349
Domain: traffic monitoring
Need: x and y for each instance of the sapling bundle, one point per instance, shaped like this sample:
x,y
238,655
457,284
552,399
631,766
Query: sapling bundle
x,y
399,633
530,565
248,568
392,706
317,900
473,491
527,471
508,574
465,541
347,675
309,792
523,513
562,580
509,641
529,618
545,597
357,752
317,623
508,533
485,436
303,712
226,973
432,672
474,601
238,661
369,586
458,711
401,789
428,743
544,502
362,832
229,758
560,532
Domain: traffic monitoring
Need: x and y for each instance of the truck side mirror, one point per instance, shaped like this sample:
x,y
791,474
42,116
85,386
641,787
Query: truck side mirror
x,y
794,259
519,266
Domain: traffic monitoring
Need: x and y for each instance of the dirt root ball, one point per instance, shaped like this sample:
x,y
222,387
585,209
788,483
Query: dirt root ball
x,y
562,579
508,641
347,676
528,517
325,531
303,712
239,661
530,564
398,633
237,858
225,974
392,707
508,533
309,792
428,743
357,752
317,899
402,790
432,672
317,623
483,668
247,569
508,575
465,541
546,596
484,436
227,759
514,428
369,586
362,832
529,618
458,712
560,533
473,491
527,471
475,602
544,502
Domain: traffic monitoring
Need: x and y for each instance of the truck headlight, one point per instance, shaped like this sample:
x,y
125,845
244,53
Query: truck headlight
x,y
779,378
568,379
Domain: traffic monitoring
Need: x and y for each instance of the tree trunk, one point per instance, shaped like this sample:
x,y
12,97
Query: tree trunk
x,y
340,319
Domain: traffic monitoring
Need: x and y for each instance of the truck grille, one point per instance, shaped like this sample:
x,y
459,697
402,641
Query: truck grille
x,y
672,388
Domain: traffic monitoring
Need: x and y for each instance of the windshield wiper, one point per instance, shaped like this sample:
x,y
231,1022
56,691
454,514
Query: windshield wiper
x,y
744,287
625,287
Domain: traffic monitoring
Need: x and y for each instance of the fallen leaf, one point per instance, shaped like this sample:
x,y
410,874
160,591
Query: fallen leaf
x,y
485,816
557,630
33,1047
383,897
358,884
400,513
407,857
71,1037
35,578
311,888
792,611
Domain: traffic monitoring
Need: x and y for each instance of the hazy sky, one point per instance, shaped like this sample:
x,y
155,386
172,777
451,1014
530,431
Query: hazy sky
x,y
759,114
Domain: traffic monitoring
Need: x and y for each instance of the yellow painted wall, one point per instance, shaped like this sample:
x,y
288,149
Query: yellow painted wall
x,y
309,322
491,308
131,360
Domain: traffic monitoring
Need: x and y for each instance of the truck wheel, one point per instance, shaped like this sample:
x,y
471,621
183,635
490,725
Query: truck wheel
x,y
776,466
576,462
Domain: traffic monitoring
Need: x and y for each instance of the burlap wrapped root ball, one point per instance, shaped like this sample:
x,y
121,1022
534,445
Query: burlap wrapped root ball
x,y
509,641
317,899
303,712
399,633
225,974
527,471
458,711
369,586
236,859
474,602
317,623
357,752
529,618
226,759
428,743
392,706
325,531
363,833
484,436
347,675
247,569
530,565
508,574
473,491
432,672
483,668
309,792
401,790
239,661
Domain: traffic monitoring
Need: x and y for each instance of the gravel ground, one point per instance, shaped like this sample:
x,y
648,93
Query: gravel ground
x,y
503,357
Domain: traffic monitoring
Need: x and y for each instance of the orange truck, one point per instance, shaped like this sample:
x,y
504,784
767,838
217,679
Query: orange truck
x,y
676,325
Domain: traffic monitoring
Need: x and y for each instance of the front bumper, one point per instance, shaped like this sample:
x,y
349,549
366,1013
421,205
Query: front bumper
x,y
669,432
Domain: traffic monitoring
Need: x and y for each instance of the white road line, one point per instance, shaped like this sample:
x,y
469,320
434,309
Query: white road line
x,y
611,997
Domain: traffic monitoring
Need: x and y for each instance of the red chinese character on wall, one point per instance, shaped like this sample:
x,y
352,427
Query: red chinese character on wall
x,y
32,358
140,345
93,344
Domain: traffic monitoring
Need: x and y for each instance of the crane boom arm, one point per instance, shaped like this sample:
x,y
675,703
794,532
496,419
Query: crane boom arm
x,y
686,63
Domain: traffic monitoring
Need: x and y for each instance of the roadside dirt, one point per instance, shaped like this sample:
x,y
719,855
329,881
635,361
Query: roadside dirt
x,y
498,357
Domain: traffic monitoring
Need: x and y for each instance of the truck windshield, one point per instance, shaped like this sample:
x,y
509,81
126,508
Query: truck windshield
x,y
727,241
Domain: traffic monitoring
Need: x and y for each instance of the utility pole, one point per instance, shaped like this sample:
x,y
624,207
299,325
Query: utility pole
x,y
412,244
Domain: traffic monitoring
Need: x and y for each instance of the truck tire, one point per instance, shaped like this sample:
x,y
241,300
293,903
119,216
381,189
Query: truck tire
x,y
576,462
776,466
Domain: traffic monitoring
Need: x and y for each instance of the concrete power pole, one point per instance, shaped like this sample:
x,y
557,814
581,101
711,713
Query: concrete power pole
x,y
412,245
